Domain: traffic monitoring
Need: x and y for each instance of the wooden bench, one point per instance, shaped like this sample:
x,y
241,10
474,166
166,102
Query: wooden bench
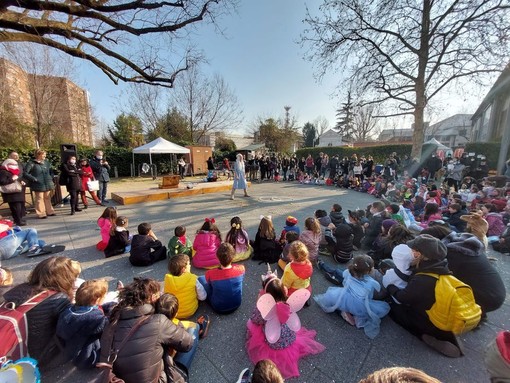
x,y
170,182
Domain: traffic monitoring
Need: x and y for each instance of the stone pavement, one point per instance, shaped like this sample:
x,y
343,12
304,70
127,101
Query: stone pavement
x,y
349,354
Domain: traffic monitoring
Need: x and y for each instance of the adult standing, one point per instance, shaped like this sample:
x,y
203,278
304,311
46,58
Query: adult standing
x,y
182,167
71,176
100,167
87,175
418,296
141,357
11,176
40,174
239,177
54,276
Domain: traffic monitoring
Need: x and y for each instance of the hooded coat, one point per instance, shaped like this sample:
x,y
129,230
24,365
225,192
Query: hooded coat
x,y
467,261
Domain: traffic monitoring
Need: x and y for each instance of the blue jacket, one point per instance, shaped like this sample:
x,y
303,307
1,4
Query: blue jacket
x,y
80,327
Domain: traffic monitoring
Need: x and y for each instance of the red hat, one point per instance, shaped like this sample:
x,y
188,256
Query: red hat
x,y
291,220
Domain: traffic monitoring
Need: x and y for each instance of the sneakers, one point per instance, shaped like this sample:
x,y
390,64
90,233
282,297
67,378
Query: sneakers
x,y
34,251
442,346
203,323
348,318
244,376
332,278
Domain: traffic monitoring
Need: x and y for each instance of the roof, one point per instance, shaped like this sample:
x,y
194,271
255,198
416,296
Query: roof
x,y
160,145
252,147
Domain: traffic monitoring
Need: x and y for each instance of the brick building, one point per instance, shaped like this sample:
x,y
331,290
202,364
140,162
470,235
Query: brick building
x,y
58,106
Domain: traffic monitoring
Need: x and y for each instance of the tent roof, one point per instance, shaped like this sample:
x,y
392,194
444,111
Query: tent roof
x,y
437,144
160,145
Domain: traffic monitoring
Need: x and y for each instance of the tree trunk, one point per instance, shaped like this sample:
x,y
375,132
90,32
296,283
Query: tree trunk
x,y
421,97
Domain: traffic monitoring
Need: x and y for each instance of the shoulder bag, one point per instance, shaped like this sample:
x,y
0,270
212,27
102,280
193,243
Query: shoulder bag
x,y
14,187
106,374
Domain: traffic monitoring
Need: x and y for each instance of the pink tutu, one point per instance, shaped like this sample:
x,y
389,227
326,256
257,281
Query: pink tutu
x,y
286,359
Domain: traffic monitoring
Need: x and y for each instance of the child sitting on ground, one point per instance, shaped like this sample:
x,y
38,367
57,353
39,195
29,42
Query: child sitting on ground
x,y
80,326
271,333
311,237
290,237
105,223
179,243
290,225
238,238
336,214
146,248
265,371
120,241
6,278
357,229
355,300
206,244
182,283
398,272
326,227
266,247
224,285
297,274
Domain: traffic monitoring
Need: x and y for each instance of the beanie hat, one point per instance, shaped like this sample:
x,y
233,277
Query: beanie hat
x,y
429,246
388,223
291,221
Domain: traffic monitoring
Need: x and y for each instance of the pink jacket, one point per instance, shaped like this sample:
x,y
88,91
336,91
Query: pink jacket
x,y
496,225
311,240
105,226
205,245
432,217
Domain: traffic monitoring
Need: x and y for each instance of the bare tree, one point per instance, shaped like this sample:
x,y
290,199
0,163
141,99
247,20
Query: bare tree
x,y
126,39
209,104
407,52
365,123
322,124
46,72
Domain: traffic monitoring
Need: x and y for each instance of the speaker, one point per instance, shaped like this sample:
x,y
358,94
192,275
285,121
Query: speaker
x,y
66,151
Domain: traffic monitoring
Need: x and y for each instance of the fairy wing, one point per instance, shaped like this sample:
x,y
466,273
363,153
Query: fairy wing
x,y
296,302
268,309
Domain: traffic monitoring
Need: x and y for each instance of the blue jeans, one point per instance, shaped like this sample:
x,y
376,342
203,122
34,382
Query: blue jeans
x,y
184,359
103,189
337,272
19,242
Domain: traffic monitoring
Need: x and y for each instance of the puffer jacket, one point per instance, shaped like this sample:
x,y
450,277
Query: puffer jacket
x,y
141,358
206,244
42,322
496,225
40,176
468,262
72,176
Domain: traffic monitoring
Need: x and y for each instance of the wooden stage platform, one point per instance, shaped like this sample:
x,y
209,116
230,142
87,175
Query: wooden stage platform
x,y
144,194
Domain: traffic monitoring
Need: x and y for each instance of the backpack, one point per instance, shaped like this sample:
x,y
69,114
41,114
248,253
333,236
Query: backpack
x,y
14,326
455,308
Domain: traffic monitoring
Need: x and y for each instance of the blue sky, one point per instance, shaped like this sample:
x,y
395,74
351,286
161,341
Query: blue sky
x,y
260,59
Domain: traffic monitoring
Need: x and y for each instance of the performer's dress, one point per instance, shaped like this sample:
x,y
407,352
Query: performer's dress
x,y
286,352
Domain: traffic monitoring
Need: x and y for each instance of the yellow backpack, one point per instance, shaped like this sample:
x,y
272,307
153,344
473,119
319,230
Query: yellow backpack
x,y
455,308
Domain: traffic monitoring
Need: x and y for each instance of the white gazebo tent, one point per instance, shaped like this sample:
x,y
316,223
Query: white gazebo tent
x,y
440,149
159,145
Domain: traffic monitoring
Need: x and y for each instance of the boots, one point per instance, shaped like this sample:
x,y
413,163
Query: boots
x,y
84,200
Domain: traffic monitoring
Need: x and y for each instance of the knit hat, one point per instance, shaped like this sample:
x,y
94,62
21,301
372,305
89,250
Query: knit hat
x,y
291,221
402,257
388,223
429,246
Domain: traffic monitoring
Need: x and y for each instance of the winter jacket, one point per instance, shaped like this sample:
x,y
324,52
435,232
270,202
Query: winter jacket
x,y
80,327
326,224
297,276
141,248
179,245
336,217
373,230
117,243
205,245
86,175
6,179
104,225
141,358
496,225
100,170
71,174
358,232
468,262
42,322
266,249
311,241
225,288
40,176
455,221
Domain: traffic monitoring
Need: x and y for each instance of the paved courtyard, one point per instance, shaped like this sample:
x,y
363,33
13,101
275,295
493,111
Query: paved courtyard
x,y
349,354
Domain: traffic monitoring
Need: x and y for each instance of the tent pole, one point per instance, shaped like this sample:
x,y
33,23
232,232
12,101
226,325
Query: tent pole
x,y
134,172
